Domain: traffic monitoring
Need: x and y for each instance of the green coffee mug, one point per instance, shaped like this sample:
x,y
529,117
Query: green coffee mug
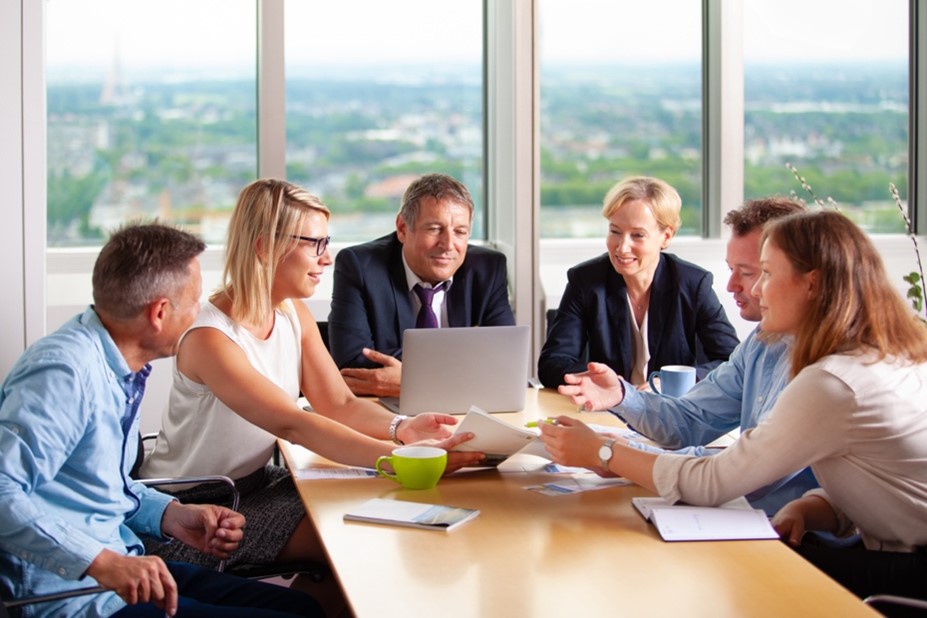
x,y
416,467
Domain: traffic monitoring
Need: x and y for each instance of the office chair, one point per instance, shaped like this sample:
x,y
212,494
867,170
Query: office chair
x,y
891,600
10,608
550,315
315,571
323,330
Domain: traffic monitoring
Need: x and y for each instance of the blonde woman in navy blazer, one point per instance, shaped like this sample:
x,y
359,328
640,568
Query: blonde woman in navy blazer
x,y
636,308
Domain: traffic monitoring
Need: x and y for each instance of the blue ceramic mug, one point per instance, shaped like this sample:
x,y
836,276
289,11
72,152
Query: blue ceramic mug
x,y
675,380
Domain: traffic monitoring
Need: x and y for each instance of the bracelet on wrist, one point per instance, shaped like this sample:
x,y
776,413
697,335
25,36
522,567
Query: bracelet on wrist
x,y
394,427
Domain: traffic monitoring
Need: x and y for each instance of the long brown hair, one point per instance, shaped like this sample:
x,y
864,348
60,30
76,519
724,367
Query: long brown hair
x,y
853,307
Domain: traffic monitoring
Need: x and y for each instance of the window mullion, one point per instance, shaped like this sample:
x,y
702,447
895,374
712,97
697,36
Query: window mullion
x,y
271,90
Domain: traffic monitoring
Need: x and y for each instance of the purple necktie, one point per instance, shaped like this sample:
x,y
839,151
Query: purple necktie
x,y
426,315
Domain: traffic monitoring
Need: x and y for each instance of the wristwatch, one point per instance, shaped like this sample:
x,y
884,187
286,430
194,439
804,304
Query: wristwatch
x,y
394,428
605,453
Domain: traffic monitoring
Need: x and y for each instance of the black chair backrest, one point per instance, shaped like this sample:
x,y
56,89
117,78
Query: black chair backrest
x,y
323,330
139,458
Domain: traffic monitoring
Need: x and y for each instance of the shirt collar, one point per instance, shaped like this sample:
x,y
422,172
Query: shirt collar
x,y
412,279
114,358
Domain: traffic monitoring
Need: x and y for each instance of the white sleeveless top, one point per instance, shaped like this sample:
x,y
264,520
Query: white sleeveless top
x,y
200,434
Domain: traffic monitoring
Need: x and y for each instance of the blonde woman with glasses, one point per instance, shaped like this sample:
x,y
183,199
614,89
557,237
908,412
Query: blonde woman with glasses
x,y
241,367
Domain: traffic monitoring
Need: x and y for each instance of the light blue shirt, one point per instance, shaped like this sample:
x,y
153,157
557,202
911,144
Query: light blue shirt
x,y
68,438
737,393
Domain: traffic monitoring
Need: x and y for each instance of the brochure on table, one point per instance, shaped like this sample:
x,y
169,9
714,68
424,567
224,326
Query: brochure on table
x,y
411,514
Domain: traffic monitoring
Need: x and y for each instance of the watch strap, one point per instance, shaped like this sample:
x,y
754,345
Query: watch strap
x,y
603,461
394,426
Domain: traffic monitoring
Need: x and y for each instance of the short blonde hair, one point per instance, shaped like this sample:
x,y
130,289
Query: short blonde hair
x,y
664,200
269,214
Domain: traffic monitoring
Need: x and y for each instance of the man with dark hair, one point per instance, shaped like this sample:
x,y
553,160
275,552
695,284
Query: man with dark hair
x,y
70,515
425,274
737,393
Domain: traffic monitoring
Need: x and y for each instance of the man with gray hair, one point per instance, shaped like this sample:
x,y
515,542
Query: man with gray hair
x,y
424,275
737,393
70,515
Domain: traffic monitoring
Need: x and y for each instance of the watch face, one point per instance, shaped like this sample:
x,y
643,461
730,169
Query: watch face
x,y
605,451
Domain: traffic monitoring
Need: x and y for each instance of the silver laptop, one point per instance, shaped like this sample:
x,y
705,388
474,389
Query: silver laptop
x,y
451,369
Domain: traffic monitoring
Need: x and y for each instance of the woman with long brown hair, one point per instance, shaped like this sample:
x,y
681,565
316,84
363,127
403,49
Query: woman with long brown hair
x,y
855,411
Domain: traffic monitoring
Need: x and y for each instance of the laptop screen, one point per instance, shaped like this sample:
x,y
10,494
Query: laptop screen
x,y
451,369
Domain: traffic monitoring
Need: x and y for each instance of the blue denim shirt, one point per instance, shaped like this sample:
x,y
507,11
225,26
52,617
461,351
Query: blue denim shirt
x,y
68,438
737,393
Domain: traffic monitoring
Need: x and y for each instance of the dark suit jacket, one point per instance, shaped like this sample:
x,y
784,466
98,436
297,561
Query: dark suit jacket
x,y
371,306
686,324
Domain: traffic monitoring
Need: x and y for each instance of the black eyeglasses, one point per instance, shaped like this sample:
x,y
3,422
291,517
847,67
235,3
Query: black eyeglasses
x,y
321,244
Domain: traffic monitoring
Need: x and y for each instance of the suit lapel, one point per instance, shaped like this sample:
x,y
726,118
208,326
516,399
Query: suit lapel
x,y
663,301
458,307
397,273
616,302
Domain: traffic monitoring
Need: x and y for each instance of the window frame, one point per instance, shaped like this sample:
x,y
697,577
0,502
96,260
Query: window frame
x,y
512,134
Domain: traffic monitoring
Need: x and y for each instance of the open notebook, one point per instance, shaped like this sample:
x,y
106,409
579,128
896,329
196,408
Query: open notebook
x,y
451,369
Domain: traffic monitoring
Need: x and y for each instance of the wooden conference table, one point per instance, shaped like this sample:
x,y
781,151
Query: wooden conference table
x,y
528,554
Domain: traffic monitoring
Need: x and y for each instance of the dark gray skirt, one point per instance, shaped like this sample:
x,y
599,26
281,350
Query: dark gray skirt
x,y
272,510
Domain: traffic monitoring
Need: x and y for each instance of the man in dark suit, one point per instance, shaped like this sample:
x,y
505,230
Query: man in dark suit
x,y
423,274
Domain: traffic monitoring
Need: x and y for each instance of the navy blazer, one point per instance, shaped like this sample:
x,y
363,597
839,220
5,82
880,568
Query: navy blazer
x,y
371,306
686,324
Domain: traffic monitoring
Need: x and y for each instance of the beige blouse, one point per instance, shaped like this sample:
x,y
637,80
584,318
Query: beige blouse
x,y
640,350
862,427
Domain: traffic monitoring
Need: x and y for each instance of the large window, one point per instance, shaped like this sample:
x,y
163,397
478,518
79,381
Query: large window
x,y
621,95
151,112
152,109
378,93
826,90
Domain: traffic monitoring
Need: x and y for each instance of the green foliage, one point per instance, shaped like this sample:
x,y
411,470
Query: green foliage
x,y
70,199
915,291
599,124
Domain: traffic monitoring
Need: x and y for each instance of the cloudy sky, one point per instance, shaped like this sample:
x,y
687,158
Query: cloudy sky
x,y
221,33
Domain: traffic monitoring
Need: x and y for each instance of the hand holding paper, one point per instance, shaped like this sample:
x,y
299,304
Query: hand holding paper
x,y
498,439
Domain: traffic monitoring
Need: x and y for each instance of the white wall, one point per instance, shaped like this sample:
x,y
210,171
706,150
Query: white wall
x,y
12,323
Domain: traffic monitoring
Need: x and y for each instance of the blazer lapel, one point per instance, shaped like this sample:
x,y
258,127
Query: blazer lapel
x,y
663,301
397,274
458,306
616,302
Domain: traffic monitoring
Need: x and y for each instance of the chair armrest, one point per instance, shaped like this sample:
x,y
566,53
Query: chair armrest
x,y
895,600
55,596
189,480
214,478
